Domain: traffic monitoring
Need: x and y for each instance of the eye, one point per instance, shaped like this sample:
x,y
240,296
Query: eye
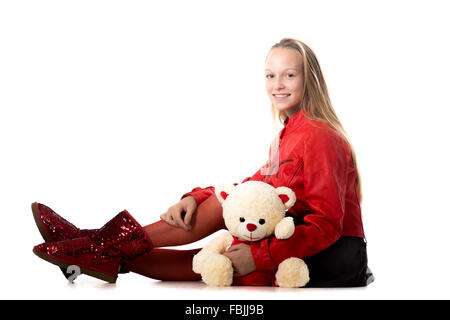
x,y
269,76
290,75
262,221
241,219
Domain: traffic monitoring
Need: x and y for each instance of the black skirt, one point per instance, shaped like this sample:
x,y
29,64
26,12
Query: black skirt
x,y
343,264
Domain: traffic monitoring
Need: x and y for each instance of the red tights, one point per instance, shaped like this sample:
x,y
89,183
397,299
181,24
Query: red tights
x,y
166,264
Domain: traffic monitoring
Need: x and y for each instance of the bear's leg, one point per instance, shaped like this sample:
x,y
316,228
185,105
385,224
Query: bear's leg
x,y
292,273
217,271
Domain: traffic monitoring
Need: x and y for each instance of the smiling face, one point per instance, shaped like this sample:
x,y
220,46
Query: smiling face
x,y
252,229
284,79
252,221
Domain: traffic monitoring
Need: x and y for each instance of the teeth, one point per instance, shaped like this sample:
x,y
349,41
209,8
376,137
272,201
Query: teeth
x,y
281,95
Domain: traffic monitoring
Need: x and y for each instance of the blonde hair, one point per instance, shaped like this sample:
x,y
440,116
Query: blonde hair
x,y
315,101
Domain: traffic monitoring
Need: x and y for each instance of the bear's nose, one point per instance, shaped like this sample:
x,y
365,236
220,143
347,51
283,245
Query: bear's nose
x,y
251,227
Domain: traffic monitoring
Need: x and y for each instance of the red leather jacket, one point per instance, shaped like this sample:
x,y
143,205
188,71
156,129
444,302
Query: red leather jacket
x,y
316,163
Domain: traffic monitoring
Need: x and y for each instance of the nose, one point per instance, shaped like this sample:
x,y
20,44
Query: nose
x,y
251,227
279,84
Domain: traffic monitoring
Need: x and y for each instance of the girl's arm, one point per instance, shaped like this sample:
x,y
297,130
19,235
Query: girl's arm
x,y
325,168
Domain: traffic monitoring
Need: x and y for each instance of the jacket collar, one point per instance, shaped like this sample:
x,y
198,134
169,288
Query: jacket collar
x,y
296,120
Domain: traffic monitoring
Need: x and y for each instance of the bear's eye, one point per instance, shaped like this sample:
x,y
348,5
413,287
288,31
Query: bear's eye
x,y
262,221
241,219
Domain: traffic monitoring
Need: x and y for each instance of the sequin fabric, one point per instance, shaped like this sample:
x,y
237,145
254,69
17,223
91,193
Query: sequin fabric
x,y
82,252
53,227
122,238
124,234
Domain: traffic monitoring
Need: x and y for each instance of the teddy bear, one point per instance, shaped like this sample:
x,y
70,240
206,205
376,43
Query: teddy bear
x,y
252,211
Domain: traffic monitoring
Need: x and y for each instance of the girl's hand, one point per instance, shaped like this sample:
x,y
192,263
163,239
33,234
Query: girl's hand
x,y
179,215
241,258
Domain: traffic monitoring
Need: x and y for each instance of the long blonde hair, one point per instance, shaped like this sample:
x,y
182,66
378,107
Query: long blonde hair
x,y
316,101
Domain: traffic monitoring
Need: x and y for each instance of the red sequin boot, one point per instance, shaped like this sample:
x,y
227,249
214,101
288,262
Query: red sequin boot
x,y
101,253
53,227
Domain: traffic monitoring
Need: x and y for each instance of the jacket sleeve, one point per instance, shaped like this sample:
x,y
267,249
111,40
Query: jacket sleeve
x,y
324,179
200,194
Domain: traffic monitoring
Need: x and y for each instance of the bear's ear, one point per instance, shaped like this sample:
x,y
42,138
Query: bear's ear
x,y
287,196
222,192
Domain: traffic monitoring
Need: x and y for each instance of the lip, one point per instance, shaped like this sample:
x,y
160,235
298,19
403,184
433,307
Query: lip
x,y
281,98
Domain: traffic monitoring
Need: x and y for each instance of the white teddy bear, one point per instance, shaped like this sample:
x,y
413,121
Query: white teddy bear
x,y
252,211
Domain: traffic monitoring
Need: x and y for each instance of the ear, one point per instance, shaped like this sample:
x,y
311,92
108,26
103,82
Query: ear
x,y
222,192
287,196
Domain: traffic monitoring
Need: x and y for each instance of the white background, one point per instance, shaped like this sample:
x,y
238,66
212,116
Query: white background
x,y
112,105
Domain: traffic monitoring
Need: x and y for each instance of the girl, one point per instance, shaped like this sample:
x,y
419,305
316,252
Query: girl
x,y
311,155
